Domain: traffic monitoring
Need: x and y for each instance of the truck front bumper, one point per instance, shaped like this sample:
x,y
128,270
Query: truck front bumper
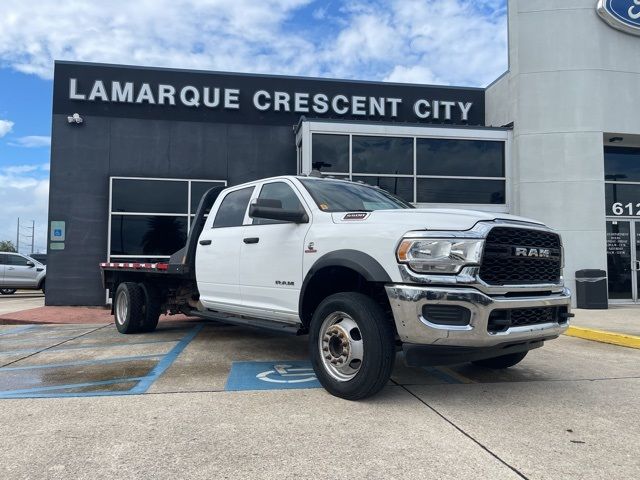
x,y
415,328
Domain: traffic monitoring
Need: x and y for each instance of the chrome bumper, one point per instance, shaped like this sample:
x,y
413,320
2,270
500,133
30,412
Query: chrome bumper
x,y
407,302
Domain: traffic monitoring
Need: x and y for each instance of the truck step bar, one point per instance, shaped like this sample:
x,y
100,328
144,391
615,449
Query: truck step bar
x,y
281,327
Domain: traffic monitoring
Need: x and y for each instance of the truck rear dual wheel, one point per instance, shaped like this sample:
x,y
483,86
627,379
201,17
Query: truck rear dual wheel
x,y
352,345
504,361
136,308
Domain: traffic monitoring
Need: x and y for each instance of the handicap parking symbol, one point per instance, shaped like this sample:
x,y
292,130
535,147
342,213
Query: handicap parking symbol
x,y
271,376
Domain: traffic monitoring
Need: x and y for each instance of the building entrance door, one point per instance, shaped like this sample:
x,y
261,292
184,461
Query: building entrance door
x,y
623,260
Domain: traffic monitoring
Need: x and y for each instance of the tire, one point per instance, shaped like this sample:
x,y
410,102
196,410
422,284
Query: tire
x,y
42,285
504,361
7,291
358,339
152,307
129,302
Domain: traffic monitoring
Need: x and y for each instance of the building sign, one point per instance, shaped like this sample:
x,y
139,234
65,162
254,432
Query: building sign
x,y
621,14
105,90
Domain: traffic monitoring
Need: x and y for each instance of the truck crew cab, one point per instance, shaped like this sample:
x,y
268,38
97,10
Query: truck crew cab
x,y
360,271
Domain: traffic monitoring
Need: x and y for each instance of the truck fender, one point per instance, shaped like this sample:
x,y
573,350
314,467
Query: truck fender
x,y
360,262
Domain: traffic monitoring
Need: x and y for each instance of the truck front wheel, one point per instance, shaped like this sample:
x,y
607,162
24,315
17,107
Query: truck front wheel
x,y
504,361
352,345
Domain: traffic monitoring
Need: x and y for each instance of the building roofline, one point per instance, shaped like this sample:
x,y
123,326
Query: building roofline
x,y
242,74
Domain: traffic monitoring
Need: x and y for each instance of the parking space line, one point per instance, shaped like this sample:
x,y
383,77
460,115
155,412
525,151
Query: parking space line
x,y
26,391
19,330
458,376
84,346
82,362
441,375
146,382
54,345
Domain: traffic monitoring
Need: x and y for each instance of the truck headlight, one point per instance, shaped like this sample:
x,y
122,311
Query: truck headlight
x,y
439,255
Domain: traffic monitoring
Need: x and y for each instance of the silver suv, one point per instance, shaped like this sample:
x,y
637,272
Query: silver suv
x,y
19,271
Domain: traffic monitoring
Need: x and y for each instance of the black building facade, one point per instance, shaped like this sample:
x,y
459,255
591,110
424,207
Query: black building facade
x,y
134,148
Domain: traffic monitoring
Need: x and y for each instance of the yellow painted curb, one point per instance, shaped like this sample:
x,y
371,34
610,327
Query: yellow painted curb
x,y
621,339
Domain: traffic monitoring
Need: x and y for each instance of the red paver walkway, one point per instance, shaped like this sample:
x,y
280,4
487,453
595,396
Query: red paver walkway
x,y
67,315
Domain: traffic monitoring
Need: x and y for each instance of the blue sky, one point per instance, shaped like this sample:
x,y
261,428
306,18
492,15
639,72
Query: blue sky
x,y
449,42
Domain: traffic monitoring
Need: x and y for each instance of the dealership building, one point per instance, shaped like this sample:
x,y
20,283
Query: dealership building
x,y
556,138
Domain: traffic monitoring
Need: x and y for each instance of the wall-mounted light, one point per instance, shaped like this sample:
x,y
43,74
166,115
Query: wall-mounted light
x,y
615,139
75,118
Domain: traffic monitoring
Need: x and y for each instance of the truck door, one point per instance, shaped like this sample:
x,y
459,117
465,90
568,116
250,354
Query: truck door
x,y
218,252
271,257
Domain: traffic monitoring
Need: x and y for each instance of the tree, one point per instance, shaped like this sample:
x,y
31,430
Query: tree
x,y
7,246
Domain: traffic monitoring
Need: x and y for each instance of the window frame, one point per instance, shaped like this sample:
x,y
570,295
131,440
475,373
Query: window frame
x,y
634,183
246,210
189,215
308,128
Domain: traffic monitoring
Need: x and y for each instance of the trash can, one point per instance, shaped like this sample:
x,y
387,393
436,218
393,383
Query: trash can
x,y
591,289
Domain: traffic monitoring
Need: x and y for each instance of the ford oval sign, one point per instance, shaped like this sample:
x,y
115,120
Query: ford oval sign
x,y
621,14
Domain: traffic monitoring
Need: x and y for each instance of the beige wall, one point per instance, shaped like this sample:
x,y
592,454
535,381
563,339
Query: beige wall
x,y
571,77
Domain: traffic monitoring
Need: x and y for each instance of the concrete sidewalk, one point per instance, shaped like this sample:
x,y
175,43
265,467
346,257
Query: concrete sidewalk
x,y
618,319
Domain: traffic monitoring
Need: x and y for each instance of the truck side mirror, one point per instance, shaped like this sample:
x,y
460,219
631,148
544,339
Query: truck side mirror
x,y
261,209
30,264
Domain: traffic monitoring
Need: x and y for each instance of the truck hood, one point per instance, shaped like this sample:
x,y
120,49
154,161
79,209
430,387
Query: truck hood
x,y
427,218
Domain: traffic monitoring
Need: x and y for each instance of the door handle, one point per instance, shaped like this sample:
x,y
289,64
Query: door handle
x,y
251,240
10,268
205,242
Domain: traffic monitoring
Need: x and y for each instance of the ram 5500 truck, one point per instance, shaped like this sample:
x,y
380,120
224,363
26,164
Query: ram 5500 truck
x,y
360,271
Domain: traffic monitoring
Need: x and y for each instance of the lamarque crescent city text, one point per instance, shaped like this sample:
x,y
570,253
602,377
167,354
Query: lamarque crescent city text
x,y
263,100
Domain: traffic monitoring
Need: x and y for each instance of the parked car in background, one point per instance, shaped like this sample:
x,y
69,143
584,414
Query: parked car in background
x,y
19,271
40,257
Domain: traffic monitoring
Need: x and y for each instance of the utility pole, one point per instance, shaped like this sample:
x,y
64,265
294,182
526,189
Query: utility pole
x,y
18,237
33,234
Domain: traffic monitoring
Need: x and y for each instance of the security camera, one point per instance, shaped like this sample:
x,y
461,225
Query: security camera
x,y
75,118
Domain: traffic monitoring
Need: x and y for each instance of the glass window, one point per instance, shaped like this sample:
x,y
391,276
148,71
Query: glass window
x,y
339,196
330,153
389,155
400,186
622,199
149,196
622,164
147,235
3,259
17,260
619,260
281,192
233,207
198,189
459,158
445,190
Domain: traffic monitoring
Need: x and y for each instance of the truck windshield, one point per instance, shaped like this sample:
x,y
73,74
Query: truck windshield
x,y
342,196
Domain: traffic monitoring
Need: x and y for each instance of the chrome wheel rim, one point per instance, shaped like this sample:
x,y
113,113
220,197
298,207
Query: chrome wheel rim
x,y
122,308
341,346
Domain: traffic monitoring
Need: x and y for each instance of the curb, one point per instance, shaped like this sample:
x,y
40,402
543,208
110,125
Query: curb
x,y
602,336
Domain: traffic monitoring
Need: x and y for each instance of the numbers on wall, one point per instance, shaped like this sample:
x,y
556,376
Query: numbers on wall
x,y
628,209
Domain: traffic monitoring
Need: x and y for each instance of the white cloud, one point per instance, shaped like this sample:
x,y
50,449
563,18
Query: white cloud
x,y
448,41
26,196
32,141
5,127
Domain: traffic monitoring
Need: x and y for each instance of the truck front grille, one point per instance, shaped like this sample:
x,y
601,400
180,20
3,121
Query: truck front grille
x,y
501,320
518,256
